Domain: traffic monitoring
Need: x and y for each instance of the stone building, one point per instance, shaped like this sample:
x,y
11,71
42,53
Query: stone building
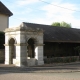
x,y
24,46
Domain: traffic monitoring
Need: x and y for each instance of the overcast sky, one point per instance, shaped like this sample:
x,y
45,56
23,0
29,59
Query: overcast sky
x,y
44,11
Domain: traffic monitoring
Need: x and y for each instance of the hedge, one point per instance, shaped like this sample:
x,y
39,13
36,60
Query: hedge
x,y
2,40
61,59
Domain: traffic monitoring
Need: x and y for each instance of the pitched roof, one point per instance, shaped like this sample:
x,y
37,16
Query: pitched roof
x,y
57,34
5,10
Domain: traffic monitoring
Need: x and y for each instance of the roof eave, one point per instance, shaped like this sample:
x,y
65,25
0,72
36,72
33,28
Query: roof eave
x,y
9,12
64,41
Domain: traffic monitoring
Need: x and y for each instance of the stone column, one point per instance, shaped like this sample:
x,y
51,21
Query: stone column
x,y
21,55
7,55
39,54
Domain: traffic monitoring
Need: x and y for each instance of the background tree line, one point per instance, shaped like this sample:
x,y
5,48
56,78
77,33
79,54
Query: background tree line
x,y
61,24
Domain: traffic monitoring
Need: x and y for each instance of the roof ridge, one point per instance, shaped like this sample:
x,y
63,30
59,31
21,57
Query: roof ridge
x,y
57,34
49,25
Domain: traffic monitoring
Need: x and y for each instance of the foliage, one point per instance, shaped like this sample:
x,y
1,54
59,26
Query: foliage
x,y
77,48
2,40
56,24
61,59
62,24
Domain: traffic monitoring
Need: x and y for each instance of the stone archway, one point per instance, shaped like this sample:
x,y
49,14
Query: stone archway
x,y
31,48
23,42
31,61
12,51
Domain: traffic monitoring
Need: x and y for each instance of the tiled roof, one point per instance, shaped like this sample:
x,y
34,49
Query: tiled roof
x,y
5,10
57,34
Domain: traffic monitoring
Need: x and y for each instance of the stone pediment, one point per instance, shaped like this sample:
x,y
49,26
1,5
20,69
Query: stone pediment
x,y
23,27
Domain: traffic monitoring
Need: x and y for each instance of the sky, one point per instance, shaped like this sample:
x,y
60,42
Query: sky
x,y
43,11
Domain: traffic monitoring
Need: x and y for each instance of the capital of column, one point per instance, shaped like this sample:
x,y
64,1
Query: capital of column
x,y
39,44
20,44
6,44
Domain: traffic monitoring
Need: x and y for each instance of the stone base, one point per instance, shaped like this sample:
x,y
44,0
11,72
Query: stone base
x,y
40,62
14,61
6,62
31,62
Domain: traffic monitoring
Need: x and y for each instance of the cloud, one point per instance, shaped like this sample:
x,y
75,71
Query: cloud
x,y
74,22
57,14
26,2
51,10
23,12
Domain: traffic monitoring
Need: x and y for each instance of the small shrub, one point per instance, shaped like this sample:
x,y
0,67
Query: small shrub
x,y
73,59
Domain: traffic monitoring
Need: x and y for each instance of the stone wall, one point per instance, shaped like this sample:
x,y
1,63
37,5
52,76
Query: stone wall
x,y
2,55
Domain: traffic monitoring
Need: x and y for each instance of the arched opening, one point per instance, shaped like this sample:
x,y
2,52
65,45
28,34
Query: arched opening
x,y
30,47
12,50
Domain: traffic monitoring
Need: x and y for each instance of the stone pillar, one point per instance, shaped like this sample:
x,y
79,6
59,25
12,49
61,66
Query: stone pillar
x,y
21,55
7,55
39,54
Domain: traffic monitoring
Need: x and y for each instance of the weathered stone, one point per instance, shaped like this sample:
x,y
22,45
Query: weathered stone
x,y
23,46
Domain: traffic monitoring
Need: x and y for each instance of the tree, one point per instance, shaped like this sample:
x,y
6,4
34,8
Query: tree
x,y
56,24
62,24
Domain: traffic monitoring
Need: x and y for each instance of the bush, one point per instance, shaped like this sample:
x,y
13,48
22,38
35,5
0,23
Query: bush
x,y
2,40
61,59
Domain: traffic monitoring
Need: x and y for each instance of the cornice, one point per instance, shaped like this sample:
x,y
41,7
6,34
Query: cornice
x,y
23,27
